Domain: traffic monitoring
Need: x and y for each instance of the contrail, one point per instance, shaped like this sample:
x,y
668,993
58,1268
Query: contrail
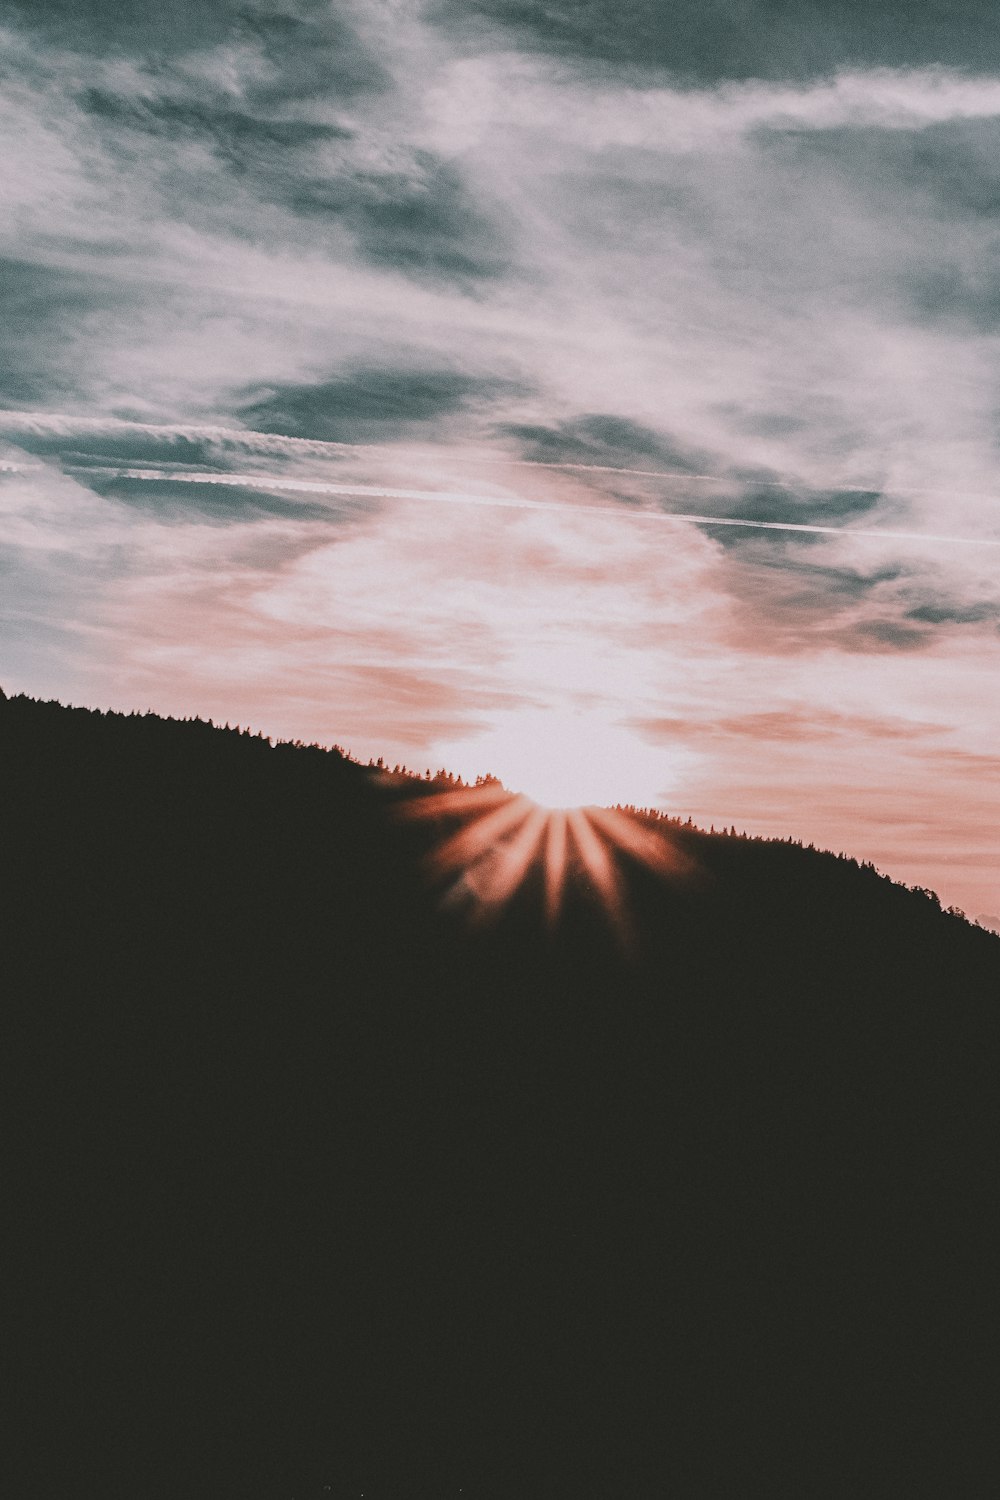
x,y
505,502
56,424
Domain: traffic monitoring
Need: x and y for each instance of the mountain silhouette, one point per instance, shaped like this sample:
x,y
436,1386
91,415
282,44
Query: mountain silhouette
x,y
323,1182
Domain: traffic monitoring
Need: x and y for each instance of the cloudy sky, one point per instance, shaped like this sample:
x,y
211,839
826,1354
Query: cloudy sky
x,y
601,392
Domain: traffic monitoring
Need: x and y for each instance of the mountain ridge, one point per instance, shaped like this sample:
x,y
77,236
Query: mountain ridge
x,y
408,781
324,1186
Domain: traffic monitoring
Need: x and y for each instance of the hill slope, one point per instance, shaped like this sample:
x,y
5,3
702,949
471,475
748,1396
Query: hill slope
x,y
319,1184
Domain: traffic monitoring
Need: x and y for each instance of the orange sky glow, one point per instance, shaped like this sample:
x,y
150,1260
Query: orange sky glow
x,y
624,432
580,655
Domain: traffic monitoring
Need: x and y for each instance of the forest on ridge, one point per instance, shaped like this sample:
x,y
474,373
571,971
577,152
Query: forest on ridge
x,y
323,1183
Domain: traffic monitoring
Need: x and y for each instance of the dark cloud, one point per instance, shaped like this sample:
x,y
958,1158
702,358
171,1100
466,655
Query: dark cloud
x,y
709,40
602,438
808,580
171,26
126,449
884,634
418,216
43,309
781,503
372,404
310,46
238,136
421,220
767,570
786,603
944,612
700,40
177,501
312,49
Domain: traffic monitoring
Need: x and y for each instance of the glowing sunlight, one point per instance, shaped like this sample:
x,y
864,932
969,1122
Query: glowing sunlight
x,y
565,759
491,841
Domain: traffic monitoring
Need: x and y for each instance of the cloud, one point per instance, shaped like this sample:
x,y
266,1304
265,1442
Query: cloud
x,y
421,219
176,498
524,300
374,404
601,439
715,39
57,432
241,139
943,613
763,502
802,724
173,26
790,600
290,48
399,206
40,307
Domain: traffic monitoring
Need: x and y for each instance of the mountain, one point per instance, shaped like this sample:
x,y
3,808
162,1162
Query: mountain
x,y
320,1183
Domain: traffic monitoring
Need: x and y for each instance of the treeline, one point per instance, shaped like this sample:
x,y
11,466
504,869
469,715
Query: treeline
x,y
317,1187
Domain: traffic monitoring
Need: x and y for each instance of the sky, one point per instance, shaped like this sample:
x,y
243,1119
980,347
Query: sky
x,y
604,395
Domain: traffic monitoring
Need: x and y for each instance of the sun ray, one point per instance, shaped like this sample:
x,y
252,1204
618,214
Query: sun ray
x,y
462,800
648,846
596,860
555,863
514,858
474,840
502,836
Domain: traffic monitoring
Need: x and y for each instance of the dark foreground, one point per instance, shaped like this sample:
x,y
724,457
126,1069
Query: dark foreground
x,y
317,1190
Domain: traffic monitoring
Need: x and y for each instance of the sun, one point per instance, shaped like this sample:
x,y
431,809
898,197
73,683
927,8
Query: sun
x,y
564,759
560,809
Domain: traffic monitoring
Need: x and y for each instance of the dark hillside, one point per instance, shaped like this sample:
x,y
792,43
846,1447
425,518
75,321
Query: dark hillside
x,y
318,1186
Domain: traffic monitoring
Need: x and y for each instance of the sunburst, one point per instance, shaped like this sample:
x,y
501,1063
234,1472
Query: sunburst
x,y
493,840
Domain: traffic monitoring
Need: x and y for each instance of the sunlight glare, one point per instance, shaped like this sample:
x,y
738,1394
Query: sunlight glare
x,y
502,836
566,759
